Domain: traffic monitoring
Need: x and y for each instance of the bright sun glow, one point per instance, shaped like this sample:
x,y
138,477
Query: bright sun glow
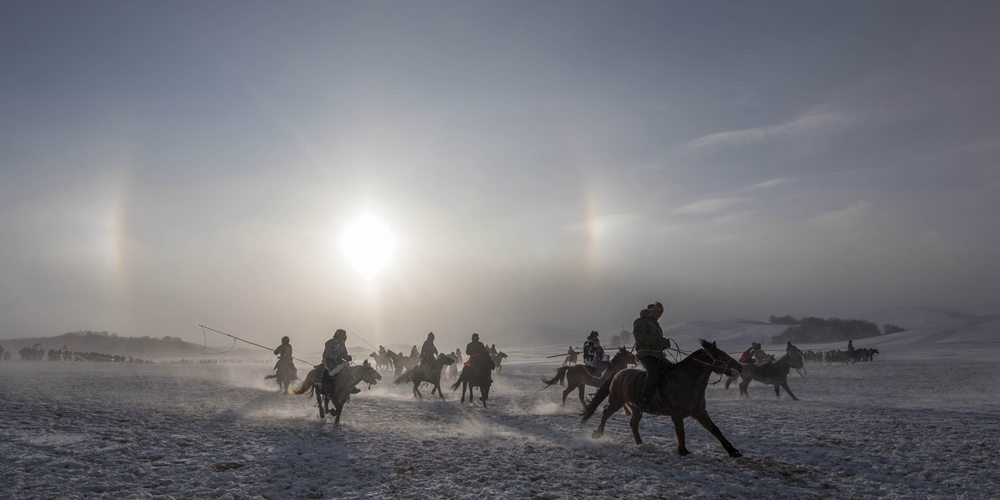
x,y
368,245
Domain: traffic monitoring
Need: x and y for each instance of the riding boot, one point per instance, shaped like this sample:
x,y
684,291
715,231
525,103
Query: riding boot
x,y
648,389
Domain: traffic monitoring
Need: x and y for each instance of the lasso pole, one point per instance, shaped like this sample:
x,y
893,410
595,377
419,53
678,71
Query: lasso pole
x,y
248,342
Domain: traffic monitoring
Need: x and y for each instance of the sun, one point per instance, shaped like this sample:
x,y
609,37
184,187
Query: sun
x,y
368,245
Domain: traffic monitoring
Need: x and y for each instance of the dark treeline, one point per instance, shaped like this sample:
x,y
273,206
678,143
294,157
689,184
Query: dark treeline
x,y
110,344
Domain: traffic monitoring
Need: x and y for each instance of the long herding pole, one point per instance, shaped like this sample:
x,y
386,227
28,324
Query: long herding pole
x,y
248,342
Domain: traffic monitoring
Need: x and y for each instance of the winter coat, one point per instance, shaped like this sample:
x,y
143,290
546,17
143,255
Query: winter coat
x,y
649,340
334,353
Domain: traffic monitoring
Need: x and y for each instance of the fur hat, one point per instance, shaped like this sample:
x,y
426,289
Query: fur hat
x,y
475,336
340,333
592,336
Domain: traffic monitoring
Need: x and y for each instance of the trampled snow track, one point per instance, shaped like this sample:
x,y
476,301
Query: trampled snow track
x,y
892,429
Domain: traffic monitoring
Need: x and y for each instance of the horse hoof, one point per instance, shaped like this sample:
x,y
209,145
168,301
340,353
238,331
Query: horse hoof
x,y
596,434
735,454
683,452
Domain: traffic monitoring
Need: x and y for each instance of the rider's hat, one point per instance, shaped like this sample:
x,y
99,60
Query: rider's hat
x,y
340,333
285,340
475,336
592,336
655,306
430,335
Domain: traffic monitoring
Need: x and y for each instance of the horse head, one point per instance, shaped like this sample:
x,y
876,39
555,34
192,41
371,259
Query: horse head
x,y
722,363
369,374
446,359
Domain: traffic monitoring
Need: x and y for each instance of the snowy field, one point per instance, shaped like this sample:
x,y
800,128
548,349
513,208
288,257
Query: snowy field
x,y
904,426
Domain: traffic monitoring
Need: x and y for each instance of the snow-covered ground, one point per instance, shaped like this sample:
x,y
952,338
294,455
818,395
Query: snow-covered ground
x,y
913,424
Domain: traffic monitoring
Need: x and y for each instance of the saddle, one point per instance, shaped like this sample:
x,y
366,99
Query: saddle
x,y
597,371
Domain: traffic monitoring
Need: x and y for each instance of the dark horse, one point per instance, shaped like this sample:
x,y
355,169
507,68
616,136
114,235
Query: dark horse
x,y
577,378
339,392
286,375
680,394
775,374
476,376
428,371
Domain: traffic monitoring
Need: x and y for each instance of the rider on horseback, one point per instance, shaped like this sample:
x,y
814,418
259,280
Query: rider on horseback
x,y
335,359
427,351
593,353
649,346
284,354
479,355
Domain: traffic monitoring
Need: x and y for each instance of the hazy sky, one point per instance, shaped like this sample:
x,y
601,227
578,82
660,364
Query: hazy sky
x,y
164,164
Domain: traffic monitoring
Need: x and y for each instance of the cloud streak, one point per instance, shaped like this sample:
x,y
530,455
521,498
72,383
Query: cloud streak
x,y
815,121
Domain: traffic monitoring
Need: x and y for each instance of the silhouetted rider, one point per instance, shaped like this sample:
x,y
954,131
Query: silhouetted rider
x,y
479,355
335,359
649,346
284,354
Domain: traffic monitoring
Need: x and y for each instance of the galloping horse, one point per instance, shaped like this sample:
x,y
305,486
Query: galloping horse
x,y
429,372
775,374
578,378
680,394
340,391
475,376
497,359
453,368
285,376
381,362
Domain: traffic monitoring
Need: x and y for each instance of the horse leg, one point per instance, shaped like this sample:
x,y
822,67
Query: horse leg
x,y
784,384
438,388
339,407
615,403
679,435
566,393
712,429
777,391
583,400
729,381
634,424
416,391
743,388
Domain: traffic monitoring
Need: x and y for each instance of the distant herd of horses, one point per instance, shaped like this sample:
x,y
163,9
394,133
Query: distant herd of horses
x,y
680,392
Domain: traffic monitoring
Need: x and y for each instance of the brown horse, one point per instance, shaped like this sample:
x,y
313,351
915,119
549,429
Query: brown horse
x,y
577,378
680,394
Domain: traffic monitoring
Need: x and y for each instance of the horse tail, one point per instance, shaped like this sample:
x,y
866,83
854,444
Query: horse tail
x,y
596,401
560,377
273,375
403,379
307,386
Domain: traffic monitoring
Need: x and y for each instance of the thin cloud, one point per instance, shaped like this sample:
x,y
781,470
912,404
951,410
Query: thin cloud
x,y
767,184
813,121
710,206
